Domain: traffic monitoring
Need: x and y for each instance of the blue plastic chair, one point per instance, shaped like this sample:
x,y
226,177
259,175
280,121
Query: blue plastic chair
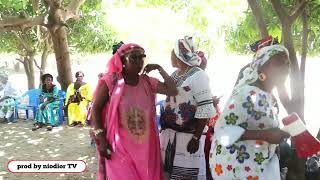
x,y
33,103
62,97
161,107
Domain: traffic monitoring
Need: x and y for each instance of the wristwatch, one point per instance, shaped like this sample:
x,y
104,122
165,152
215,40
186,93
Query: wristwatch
x,y
97,131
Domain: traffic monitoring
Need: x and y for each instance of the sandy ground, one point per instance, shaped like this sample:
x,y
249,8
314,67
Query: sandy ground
x,y
18,142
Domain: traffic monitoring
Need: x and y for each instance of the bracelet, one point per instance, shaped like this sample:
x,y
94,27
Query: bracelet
x,y
195,138
98,131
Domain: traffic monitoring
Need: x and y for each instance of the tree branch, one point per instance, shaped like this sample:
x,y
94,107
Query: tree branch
x,y
72,10
257,13
36,64
8,23
298,9
19,60
283,16
21,41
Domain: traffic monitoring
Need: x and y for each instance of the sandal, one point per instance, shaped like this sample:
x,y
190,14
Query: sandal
x,y
49,128
36,126
73,124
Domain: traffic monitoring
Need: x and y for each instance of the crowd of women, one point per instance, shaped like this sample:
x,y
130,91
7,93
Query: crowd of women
x,y
245,135
77,101
196,140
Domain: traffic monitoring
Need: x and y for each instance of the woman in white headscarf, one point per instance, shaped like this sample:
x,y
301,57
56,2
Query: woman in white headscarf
x,y
247,132
186,115
7,99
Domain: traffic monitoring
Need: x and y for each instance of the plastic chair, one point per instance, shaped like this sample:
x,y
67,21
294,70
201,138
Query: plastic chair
x,y
62,97
33,103
161,110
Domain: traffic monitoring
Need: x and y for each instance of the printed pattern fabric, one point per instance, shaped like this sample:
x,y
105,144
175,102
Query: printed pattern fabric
x,y
180,117
194,100
50,113
248,108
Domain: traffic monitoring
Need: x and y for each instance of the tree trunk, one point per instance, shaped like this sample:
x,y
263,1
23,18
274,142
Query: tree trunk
x,y
304,52
295,77
296,166
29,69
60,45
257,13
61,49
44,58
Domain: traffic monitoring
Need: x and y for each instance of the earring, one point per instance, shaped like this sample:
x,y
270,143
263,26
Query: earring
x,y
262,77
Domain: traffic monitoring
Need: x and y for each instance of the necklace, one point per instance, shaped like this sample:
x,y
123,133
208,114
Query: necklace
x,y
185,72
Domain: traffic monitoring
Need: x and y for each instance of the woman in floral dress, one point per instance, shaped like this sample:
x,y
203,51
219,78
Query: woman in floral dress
x,y
48,113
247,134
184,119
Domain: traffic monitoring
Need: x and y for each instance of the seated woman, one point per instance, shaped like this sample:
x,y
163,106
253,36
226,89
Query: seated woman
x,y
79,94
7,101
48,113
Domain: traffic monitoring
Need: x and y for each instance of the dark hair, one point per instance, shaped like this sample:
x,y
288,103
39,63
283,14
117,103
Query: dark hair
x,y
115,47
78,73
43,77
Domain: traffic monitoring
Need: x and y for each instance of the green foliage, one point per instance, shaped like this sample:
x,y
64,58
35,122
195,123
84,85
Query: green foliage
x,y
8,42
246,31
91,34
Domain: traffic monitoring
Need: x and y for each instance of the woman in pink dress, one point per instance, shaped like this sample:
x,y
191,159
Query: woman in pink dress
x,y
124,117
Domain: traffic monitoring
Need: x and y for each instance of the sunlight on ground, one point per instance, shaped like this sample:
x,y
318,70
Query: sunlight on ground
x,y
44,145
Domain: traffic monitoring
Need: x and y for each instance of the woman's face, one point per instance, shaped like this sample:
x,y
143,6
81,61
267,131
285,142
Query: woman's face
x,y
80,77
134,61
277,69
48,81
174,59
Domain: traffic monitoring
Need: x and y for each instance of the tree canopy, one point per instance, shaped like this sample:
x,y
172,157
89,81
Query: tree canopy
x,y
246,31
90,33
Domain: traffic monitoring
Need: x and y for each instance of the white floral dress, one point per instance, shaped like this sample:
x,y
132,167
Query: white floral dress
x,y
248,108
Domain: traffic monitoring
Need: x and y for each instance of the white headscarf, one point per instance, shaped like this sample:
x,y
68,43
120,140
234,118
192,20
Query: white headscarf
x,y
250,74
185,50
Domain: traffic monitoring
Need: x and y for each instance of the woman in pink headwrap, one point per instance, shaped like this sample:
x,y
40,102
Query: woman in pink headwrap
x,y
186,115
124,117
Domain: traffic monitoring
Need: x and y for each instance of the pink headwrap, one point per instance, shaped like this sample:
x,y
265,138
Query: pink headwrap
x,y
115,65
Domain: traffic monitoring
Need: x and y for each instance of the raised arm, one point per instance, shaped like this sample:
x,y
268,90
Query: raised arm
x,y
168,87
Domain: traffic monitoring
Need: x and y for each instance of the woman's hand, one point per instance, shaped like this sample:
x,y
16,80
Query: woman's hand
x,y
216,101
151,67
43,105
276,136
193,146
105,149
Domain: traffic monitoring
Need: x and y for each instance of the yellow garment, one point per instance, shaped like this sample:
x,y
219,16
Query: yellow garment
x,y
78,112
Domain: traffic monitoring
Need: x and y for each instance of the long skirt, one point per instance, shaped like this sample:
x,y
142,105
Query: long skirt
x,y
77,112
178,162
7,108
49,115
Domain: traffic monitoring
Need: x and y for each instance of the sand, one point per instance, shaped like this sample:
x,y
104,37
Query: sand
x,y
18,142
